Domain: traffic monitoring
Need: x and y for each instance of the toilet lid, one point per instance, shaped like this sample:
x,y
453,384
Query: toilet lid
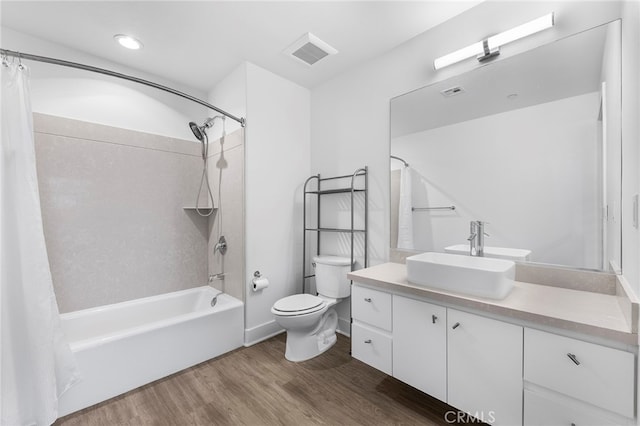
x,y
298,302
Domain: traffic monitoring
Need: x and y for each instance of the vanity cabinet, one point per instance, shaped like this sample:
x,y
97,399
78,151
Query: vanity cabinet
x,y
420,345
484,367
597,375
499,372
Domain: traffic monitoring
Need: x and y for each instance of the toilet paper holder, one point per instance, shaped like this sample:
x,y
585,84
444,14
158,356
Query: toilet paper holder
x,y
259,281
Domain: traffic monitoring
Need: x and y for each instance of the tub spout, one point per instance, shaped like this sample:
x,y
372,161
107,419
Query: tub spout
x,y
216,277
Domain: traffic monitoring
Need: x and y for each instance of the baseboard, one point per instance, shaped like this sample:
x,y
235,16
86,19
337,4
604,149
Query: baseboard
x,y
344,327
262,332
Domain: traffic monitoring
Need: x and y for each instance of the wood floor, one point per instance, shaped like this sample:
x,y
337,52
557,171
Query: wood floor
x,y
257,386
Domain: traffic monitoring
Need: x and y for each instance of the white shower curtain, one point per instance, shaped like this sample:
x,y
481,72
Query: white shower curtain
x,y
36,363
405,213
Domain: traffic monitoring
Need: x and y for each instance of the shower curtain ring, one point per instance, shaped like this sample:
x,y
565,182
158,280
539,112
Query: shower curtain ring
x,y
20,66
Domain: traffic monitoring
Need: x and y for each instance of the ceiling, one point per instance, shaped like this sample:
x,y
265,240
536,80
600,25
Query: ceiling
x,y
198,43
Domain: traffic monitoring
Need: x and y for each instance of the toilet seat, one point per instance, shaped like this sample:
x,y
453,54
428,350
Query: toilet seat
x,y
298,304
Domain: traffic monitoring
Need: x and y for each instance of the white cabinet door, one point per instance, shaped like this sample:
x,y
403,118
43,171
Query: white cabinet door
x,y
420,345
485,368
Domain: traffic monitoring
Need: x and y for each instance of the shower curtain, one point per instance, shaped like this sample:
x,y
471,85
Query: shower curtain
x,y
36,363
405,212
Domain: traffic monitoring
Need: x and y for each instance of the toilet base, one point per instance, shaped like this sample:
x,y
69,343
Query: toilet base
x,y
302,345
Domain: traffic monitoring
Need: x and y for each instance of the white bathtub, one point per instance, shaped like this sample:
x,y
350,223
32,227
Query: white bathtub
x,y
126,345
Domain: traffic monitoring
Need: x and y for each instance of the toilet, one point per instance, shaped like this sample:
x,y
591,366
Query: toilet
x,y
310,320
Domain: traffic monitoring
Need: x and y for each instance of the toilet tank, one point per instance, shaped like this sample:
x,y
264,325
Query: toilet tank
x,y
331,276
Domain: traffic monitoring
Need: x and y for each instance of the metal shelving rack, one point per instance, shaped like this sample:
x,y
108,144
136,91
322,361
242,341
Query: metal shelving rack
x,y
361,173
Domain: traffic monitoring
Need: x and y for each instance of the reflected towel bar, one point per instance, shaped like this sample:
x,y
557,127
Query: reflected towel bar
x,y
413,209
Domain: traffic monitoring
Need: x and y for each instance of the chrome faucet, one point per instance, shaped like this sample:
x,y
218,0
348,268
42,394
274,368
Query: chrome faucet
x,y
476,238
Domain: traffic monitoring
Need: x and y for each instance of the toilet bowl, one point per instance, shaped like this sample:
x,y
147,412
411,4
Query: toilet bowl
x,y
311,321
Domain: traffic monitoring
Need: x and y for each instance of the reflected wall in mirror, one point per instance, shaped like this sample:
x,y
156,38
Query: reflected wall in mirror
x,y
530,144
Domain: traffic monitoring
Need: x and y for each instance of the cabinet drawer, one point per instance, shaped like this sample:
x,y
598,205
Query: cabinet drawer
x,y
371,306
371,347
542,410
603,377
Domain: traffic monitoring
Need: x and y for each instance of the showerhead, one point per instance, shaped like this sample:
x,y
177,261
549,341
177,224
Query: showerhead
x,y
198,131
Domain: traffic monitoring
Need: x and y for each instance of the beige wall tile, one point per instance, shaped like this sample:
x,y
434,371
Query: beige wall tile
x,y
113,213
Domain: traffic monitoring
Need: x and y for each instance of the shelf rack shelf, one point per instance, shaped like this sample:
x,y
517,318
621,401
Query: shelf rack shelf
x,y
358,183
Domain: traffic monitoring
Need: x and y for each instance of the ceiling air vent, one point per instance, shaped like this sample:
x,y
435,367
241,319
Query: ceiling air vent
x,y
309,49
452,91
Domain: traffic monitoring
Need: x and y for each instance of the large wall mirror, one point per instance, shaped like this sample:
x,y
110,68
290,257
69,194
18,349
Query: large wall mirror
x,y
529,144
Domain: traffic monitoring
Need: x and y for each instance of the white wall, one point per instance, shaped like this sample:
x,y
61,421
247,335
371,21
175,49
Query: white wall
x,y
277,164
549,203
230,94
92,97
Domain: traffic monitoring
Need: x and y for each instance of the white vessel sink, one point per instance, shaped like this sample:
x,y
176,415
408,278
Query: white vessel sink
x,y
474,276
495,252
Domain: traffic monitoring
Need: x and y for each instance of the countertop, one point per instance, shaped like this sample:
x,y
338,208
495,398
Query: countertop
x,y
578,311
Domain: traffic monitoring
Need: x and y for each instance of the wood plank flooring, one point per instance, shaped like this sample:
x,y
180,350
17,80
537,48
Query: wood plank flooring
x,y
258,386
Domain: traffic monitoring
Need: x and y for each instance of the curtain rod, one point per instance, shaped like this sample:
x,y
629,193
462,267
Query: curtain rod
x,y
64,63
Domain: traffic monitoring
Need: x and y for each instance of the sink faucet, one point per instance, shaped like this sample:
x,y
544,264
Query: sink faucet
x,y
476,238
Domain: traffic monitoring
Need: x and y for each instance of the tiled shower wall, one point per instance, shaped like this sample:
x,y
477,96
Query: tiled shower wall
x,y
112,206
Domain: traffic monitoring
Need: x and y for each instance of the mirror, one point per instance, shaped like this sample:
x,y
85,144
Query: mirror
x,y
530,145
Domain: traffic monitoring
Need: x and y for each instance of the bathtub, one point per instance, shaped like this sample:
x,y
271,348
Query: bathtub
x,y
123,346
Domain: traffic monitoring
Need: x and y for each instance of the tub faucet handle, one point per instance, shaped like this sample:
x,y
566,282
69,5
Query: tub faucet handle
x,y
221,246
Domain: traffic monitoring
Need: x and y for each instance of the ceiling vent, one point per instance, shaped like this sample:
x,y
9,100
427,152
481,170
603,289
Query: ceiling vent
x,y
309,49
452,91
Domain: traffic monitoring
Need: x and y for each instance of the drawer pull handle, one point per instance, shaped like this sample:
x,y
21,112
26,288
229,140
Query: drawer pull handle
x,y
573,358
456,325
367,299
433,319
368,341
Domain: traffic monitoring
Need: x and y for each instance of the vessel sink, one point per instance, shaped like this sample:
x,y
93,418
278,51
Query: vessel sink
x,y
495,252
473,276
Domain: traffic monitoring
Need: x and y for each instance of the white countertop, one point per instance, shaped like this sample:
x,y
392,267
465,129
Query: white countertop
x,y
578,311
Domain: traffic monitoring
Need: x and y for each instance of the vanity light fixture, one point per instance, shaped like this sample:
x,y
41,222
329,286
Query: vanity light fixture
x,y
128,41
490,47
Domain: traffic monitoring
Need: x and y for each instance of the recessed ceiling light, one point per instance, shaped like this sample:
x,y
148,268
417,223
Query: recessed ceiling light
x,y
128,41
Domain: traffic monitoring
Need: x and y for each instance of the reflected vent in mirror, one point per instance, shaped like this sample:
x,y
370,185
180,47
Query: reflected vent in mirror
x,y
452,91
